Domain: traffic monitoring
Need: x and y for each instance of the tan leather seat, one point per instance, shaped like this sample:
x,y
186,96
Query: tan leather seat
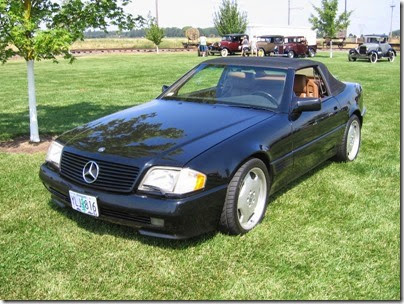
x,y
312,89
305,87
300,86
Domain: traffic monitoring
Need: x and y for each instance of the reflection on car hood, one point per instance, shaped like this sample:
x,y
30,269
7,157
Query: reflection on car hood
x,y
171,130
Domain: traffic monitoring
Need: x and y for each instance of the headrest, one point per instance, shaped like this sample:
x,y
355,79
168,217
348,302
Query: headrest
x,y
240,75
300,84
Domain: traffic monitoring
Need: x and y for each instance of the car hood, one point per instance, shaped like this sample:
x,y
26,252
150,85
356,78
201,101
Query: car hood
x,y
370,45
172,131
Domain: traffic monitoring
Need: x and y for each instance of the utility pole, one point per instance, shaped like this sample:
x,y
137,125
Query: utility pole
x,y
346,29
291,8
391,22
157,12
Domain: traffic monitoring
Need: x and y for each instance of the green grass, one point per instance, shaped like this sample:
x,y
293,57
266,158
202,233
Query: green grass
x,y
333,234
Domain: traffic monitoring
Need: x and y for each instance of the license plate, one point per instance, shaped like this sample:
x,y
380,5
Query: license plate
x,y
84,203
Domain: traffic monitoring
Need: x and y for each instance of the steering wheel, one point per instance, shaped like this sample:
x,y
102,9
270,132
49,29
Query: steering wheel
x,y
267,96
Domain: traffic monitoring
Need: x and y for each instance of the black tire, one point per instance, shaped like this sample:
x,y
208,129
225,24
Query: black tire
x,y
391,56
351,58
224,52
373,58
229,219
342,152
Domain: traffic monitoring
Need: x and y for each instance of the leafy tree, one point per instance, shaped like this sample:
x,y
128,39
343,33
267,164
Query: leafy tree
x,y
154,33
327,23
229,19
45,29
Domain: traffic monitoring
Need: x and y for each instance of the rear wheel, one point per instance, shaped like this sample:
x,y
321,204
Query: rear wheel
x,y
351,58
224,52
391,56
246,198
349,147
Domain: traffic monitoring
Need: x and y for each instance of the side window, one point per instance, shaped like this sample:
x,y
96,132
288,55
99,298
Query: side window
x,y
308,83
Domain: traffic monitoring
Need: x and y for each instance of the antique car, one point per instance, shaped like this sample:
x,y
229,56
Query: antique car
x,y
207,152
296,46
374,48
230,44
268,45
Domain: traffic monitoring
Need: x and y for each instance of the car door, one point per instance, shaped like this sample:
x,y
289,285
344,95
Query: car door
x,y
315,133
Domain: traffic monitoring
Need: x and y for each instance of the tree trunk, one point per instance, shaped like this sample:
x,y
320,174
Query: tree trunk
x,y
33,120
157,48
331,48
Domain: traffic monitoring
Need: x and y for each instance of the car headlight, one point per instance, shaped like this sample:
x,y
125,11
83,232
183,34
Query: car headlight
x,y
172,180
54,153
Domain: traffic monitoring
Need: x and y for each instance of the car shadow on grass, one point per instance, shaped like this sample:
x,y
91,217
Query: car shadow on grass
x,y
101,227
54,120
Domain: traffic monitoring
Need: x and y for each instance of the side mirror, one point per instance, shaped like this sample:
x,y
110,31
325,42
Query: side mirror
x,y
307,105
164,88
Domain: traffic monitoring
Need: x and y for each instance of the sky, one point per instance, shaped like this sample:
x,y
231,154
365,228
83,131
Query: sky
x,y
368,17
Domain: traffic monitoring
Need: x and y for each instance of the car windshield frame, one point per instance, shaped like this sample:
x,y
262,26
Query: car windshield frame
x,y
283,100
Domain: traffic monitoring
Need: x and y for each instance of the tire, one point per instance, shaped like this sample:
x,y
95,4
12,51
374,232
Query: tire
x,y
246,198
373,58
348,149
351,58
224,52
312,53
261,53
391,56
291,54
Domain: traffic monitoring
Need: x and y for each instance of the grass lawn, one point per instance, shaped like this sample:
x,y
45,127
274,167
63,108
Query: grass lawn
x,y
333,234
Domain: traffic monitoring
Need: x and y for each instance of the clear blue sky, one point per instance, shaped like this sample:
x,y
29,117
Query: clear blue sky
x,y
371,16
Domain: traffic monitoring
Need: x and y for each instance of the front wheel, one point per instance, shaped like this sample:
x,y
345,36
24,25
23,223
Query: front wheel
x,y
351,58
373,58
246,198
349,147
224,53
311,53
261,53
291,54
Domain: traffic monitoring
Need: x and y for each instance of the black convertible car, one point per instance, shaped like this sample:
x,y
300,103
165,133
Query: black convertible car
x,y
208,152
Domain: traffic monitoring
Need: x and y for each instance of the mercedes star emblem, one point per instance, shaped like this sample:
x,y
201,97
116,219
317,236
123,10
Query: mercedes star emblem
x,y
90,172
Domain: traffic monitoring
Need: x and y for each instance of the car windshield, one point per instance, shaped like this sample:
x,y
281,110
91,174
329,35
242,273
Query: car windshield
x,y
255,87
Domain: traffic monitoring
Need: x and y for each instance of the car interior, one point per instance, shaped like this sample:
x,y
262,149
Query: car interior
x,y
308,83
247,86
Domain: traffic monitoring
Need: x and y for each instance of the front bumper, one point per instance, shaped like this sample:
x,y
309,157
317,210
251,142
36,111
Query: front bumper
x,y
183,218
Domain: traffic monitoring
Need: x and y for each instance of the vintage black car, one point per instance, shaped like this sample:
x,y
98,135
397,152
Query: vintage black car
x,y
209,151
373,49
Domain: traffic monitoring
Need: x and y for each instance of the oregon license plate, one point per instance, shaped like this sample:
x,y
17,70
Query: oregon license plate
x,y
84,203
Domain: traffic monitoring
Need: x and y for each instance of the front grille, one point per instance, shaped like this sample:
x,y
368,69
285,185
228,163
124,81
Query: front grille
x,y
112,176
125,216
362,50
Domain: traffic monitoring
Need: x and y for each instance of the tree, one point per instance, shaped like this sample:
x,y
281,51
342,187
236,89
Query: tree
x,y
327,23
45,29
154,33
229,19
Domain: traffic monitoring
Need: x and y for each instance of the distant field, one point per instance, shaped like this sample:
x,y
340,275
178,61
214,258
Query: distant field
x,y
141,43
334,234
